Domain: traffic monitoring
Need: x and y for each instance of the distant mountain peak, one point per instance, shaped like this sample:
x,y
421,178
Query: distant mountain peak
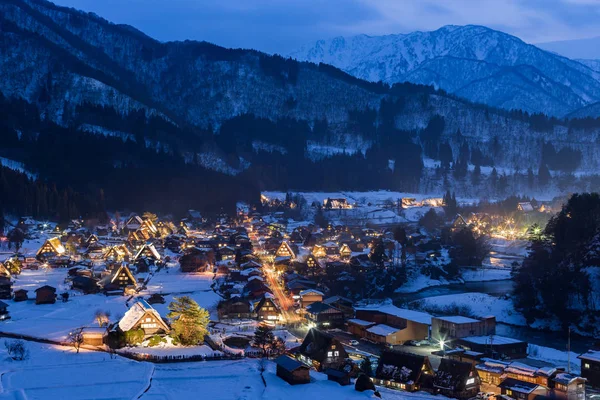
x,y
461,57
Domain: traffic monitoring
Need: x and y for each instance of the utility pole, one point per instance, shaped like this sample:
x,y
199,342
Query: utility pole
x,y
569,352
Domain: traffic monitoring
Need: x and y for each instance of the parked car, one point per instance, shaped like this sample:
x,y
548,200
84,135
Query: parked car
x,y
354,343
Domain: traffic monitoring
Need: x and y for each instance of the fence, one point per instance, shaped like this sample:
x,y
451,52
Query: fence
x,y
180,358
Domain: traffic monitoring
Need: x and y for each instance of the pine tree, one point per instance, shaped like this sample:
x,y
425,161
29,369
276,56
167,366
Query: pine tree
x,y
544,175
366,367
189,320
476,177
264,338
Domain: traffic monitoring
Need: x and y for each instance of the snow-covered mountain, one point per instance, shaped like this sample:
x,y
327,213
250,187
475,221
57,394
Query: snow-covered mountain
x,y
474,62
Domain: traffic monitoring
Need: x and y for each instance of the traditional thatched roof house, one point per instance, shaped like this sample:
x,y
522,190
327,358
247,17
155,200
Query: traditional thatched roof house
x,y
266,309
322,351
51,248
141,315
285,250
120,278
235,307
148,251
118,253
456,379
404,371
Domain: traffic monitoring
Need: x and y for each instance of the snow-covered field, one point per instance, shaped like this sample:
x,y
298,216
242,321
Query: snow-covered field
x,y
55,372
475,304
55,321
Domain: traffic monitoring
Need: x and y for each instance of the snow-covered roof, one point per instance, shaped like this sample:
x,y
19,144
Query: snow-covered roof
x,y
382,330
361,322
410,315
591,355
491,340
457,319
310,291
137,311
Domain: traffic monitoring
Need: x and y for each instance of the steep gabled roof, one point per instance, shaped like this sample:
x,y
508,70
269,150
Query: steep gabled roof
x,y
136,312
401,367
150,247
123,268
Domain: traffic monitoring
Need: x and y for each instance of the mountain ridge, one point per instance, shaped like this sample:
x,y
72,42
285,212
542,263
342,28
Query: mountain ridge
x,y
408,57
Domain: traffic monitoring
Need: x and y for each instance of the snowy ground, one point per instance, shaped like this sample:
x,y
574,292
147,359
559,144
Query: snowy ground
x,y
55,321
554,357
54,372
473,304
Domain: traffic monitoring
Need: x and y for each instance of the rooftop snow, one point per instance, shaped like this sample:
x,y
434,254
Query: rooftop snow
x,y
457,319
416,316
382,330
494,339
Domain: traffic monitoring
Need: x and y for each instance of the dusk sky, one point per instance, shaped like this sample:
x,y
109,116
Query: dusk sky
x,y
280,26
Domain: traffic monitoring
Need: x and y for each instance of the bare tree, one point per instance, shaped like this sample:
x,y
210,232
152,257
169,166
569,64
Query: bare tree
x,y
76,338
102,317
16,350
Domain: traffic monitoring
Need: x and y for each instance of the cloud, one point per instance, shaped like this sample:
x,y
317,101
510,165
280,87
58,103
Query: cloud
x,y
281,25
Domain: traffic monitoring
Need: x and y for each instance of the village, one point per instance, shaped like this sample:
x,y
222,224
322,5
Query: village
x,y
318,286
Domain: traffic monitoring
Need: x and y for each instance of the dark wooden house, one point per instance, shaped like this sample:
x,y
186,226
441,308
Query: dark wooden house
x,y
197,260
322,351
590,367
324,316
340,376
292,371
20,295
120,278
4,311
45,295
235,307
267,310
5,288
410,372
85,284
456,379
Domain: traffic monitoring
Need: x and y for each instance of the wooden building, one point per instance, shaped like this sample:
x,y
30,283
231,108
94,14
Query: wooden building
x,y
590,367
292,371
4,311
120,278
285,250
45,295
493,346
20,295
319,251
197,260
148,251
393,325
5,288
340,376
51,248
118,253
321,351
456,327
85,284
267,310
456,379
309,296
410,372
94,336
141,315
324,316
345,251
235,307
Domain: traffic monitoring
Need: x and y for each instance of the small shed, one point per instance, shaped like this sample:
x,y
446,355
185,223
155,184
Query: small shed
x,y
292,371
341,377
20,295
94,336
45,295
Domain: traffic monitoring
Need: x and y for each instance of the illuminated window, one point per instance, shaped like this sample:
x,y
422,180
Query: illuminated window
x,y
336,353
586,366
470,381
329,354
509,392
